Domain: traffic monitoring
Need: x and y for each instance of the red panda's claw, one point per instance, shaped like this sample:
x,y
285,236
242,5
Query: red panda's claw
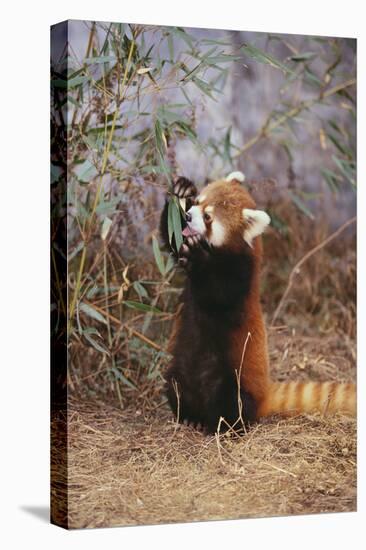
x,y
194,248
193,240
184,188
184,250
193,424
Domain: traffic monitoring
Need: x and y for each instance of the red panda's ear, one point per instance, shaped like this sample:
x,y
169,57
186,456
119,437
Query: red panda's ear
x,y
236,176
256,222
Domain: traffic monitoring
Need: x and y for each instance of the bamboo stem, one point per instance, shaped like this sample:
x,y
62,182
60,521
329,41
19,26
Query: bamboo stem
x,y
99,188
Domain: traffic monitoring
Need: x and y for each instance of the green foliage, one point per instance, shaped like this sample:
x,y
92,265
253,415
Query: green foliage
x,y
263,57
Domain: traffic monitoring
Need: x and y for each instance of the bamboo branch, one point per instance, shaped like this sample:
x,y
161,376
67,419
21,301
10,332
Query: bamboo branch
x,y
268,128
124,326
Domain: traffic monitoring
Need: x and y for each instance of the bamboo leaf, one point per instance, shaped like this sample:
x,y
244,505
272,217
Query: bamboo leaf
x,y
189,76
332,179
186,95
157,255
182,33
91,330
343,148
301,206
171,47
105,228
278,223
170,220
160,142
144,70
73,101
227,146
98,346
142,307
140,289
311,77
92,292
168,116
210,42
108,207
75,251
101,59
118,374
187,130
263,57
177,225
158,137
72,74
93,313
223,58
203,86
335,127
71,83
85,171
303,56
169,264
347,168
56,172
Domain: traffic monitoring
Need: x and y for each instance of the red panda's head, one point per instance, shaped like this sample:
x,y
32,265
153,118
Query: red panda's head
x,y
226,216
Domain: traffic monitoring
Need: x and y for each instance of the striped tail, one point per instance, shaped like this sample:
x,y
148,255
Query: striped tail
x,y
296,397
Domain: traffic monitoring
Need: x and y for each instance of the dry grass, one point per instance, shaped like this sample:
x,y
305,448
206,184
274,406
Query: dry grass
x,y
129,467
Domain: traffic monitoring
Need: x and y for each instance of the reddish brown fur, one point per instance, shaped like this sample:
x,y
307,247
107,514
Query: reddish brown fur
x,y
251,360
228,200
291,398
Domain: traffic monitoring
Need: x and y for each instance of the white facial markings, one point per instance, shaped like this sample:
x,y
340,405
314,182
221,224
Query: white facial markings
x,y
201,198
218,234
257,221
239,176
196,223
209,209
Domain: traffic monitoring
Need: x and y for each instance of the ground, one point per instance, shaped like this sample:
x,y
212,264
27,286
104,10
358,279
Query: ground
x,y
129,467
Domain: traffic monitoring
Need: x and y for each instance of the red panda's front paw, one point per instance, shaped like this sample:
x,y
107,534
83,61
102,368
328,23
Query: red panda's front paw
x,y
183,188
193,248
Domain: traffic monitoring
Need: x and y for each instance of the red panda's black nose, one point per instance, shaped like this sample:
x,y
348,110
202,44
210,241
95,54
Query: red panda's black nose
x,y
188,217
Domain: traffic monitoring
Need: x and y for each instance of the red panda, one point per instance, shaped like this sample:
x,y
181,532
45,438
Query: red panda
x,y
219,343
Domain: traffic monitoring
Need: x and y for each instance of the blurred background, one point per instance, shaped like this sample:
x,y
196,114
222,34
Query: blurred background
x,y
134,107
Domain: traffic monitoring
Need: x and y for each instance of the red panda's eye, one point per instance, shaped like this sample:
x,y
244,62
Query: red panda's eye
x,y
207,217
